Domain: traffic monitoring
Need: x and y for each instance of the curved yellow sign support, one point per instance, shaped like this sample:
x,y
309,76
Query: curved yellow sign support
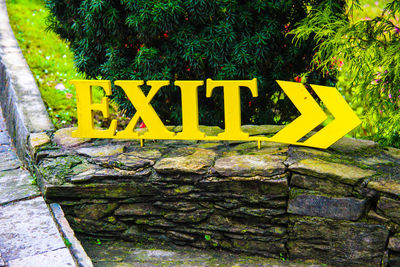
x,y
311,113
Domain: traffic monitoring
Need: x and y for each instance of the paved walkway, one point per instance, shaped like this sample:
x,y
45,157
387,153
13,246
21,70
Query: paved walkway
x,y
28,234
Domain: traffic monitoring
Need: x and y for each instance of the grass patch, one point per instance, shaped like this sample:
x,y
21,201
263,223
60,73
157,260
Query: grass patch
x,y
49,59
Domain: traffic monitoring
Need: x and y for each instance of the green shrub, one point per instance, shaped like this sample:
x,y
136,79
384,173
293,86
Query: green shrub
x,y
369,63
192,40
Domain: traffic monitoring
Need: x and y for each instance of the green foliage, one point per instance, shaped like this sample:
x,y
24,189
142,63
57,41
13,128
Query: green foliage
x,y
365,56
48,57
191,40
67,243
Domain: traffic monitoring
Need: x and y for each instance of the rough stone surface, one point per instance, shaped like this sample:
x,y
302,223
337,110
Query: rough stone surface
x,y
393,152
137,209
390,208
394,243
391,186
250,165
9,163
319,168
126,161
145,154
262,129
179,206
360,244
374,216
252,188
27,229
373,161
320,184
189,217
15,185
55,258
4,139
336,208
37,140
121,190
351,145
108,226
95,211
101,151
63,137
197,161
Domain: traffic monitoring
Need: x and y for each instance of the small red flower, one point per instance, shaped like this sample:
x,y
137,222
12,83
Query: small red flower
x,y
165,35
142,125
188,69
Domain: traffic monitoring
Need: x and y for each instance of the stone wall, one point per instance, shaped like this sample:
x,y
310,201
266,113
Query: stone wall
x,y
339,206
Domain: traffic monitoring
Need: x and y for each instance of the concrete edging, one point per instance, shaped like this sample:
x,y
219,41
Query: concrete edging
x,y
25,114
23,107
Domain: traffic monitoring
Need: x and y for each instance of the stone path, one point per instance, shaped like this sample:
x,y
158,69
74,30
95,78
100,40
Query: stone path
x,y
28,234
114,253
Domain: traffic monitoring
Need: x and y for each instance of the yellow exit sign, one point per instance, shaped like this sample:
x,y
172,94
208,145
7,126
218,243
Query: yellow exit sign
x,y
311,113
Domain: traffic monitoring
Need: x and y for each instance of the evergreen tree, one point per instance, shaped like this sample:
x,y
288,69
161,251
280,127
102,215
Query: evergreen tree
x,y
368,53
191,40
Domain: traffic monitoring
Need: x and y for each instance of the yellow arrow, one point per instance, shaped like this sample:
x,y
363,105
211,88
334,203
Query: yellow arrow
x,y
311,113
345,118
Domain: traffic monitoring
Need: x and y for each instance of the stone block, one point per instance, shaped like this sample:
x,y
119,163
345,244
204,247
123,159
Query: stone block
x,y
342,173
261,129
394,243
15,185
104,226
179,205
253,188
37,140
268,249
9,160
187,217
388,186
125,161
336,243
101,151
27,229
137,209
91,191
194,160
4,138
329,207
63,137
320,184
352,145
56,258
250,165
94,211
390,208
